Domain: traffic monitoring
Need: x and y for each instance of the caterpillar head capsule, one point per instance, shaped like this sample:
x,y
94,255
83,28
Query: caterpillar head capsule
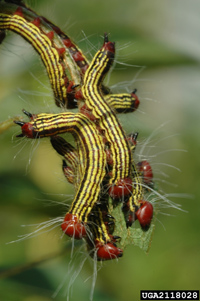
x,y
145,169
108,46
122,189
108,251
136,101
144,214
87,112
72,227
27,129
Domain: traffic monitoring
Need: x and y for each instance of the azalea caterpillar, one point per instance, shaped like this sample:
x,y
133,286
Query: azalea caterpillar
x,y
55,48
105,154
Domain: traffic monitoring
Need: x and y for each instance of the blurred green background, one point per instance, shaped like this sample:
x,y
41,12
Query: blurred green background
x,y
158,52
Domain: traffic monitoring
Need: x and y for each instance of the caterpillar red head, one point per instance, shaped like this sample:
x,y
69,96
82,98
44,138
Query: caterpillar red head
x,y
72,227
122,189
108,251
136,100
144,168
144,214
27,127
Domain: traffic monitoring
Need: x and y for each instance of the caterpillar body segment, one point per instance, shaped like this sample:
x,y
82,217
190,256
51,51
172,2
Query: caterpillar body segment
x,y
65,149
74,51
69,173
74,156
100,225
69,154
42,44
102,243
123,103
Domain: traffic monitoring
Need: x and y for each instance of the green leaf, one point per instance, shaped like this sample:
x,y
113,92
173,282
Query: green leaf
x,y
133,235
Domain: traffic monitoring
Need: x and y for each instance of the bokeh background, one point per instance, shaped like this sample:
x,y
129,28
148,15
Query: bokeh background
x,y
158,52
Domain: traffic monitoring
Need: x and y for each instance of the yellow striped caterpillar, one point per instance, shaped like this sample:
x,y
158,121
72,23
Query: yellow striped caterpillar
x,y
53,46
44,125
100,223
105,162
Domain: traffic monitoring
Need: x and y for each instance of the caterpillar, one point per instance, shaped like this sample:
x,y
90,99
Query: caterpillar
x,y
44,125
108,121
134,209
102,164
44,37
